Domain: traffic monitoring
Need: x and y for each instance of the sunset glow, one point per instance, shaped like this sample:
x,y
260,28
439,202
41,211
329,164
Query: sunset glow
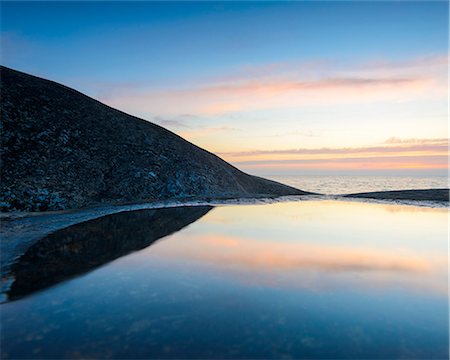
x,y
244,81
306,247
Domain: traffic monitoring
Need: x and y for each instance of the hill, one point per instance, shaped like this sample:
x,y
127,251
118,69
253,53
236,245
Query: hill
x,y
62,149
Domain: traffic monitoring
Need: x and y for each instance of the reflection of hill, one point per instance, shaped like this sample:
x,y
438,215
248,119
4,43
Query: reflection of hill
x,y
85,246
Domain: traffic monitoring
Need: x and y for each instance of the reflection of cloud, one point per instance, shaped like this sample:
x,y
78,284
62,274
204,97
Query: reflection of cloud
x,y
305,245
414,209
220,241
252,254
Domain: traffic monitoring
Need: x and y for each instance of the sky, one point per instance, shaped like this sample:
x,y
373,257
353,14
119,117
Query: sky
x,y
281,88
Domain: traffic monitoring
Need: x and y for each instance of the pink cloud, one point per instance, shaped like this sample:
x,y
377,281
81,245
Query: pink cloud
x,y
438,141
280,87
394,153
405,147
230,251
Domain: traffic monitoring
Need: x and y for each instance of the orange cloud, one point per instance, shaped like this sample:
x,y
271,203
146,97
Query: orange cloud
x,y
407,147
229,251
252,260
220,240
402,163
392,154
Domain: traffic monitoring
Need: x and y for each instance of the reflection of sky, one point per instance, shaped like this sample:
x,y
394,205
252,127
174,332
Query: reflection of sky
x,y
316,279
370,244
363,84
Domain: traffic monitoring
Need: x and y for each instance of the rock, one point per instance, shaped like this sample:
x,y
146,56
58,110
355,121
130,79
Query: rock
x,y
62,150
416,195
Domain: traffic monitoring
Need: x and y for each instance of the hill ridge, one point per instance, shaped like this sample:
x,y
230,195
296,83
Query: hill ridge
x,y
62,149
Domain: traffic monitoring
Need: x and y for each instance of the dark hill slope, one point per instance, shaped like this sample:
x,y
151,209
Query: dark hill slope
x,y
62,149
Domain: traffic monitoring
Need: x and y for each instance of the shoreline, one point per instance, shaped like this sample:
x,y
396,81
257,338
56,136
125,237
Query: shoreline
x,y
439,195
20,230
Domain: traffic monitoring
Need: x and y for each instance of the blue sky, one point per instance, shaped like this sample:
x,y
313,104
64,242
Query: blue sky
x,y
237,77
190,39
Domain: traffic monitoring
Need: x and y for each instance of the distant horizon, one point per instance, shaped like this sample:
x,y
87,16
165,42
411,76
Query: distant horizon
x,y
316,88
354,174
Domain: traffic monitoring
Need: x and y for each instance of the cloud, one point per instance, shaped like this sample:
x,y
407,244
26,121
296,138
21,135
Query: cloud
x,y
428,61
219,99
315,68
306,133
283,87
182,121
438,141
406,146
392,154
190,126
277,86
367,163
205,131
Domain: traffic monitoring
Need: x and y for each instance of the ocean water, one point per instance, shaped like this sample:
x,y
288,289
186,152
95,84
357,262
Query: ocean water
x,y
338,185
310,279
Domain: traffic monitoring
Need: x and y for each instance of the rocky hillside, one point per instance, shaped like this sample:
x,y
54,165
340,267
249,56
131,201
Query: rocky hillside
x,y
61,149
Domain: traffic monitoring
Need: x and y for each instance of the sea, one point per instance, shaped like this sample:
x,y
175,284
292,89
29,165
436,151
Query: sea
x,y
348,184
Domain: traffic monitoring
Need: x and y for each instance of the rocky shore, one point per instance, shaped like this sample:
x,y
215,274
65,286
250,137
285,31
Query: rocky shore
x,y
415,195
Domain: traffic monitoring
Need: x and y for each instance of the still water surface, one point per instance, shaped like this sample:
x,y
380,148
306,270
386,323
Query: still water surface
x,y
312,279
